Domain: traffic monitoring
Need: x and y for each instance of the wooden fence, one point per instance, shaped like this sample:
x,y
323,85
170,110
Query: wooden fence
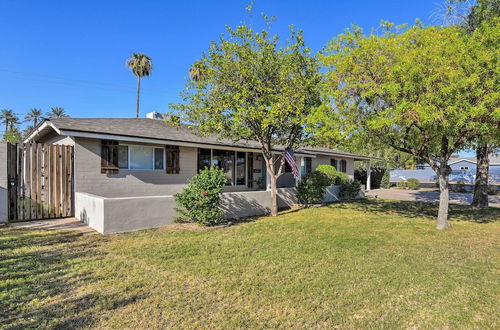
x,y
40,181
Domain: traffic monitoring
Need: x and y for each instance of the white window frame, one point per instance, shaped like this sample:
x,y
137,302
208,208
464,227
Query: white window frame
x,y
464,168
145,146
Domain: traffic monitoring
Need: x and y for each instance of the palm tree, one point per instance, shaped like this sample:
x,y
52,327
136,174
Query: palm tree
x,y
196,71
57,112
141,66
7,116
33,115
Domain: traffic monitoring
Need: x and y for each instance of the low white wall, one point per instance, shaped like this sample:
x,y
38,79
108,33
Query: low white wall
x,y
109,215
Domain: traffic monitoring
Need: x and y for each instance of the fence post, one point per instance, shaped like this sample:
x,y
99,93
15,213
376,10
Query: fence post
x,y
4,200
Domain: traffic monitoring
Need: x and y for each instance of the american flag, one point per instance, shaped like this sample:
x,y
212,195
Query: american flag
x,y
290,159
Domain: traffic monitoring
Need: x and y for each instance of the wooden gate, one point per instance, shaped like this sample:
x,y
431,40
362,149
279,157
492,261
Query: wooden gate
x,y
40,181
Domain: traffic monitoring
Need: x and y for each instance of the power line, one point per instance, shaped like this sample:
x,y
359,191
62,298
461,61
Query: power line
x,y
12,74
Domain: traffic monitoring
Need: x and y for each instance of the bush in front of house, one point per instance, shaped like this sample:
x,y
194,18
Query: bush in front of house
x,y
312,188
349,189
412,183
199,201
335,177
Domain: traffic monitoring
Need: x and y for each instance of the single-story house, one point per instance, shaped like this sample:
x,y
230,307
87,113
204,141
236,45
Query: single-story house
x,y
463,169
126,170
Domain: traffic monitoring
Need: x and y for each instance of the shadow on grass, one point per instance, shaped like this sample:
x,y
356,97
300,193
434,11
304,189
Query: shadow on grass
x,y
412,209
40,273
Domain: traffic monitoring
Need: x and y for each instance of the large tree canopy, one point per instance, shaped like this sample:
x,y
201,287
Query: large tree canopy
x,y
249,87
420,90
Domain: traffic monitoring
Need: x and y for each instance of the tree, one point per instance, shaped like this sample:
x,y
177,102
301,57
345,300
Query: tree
x,y
12,135
57,112
418,90
141,66
7,116
481,20
34,115
250,88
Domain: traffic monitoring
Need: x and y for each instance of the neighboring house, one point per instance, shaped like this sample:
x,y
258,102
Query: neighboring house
x,y
126,171
462,169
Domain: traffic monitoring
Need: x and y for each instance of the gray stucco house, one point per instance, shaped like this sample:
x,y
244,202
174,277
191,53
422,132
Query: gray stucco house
x,y
126,171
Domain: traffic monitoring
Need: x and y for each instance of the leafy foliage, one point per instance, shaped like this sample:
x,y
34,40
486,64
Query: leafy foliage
x,y
335,177
199,201
349,189
312,188
248,87
412,183
424,91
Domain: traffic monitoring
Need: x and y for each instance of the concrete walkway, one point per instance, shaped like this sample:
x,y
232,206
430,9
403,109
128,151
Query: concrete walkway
x,y
427,196
52,224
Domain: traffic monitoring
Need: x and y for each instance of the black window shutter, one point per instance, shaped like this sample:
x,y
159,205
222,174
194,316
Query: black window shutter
x,y
172,155
109,157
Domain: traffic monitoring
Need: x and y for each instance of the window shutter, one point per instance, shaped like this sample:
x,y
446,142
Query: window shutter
x,y
172,154
109,157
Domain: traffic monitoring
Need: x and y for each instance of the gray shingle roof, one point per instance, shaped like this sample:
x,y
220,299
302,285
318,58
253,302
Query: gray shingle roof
x,y
158,129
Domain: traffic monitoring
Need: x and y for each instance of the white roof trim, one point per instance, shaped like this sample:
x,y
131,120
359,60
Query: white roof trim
x,y
162,141
462,160
46,124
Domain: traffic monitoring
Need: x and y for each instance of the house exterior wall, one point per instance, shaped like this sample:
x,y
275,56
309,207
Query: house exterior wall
x,y
4,205
128,183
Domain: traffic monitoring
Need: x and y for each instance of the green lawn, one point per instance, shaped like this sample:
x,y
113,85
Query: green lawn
x,y
350,265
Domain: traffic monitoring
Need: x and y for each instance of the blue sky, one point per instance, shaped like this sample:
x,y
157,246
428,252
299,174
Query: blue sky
x,y
72,53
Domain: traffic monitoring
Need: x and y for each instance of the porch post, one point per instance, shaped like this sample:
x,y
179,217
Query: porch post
x,y
299,165
369,176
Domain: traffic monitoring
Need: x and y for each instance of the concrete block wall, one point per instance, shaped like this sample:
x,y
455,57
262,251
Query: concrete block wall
x,y
109,215
3,183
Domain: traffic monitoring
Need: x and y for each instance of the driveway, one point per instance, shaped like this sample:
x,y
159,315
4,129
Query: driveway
x,y
427,196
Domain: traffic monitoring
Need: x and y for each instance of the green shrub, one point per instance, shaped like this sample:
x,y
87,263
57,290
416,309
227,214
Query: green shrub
x,y
492,190
335,177
459,187
386,180
312,188
349,189
199,201
412,183
402,184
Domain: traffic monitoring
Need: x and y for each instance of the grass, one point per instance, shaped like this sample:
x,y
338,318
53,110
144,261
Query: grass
x,y
374,264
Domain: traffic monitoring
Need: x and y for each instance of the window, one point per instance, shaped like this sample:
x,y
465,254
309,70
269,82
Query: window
x,y
240,168
123,157
464,167
109,157
172,159
234,164
225,160
204,156
307,165
333,162
131,157
158,158
343,166
141,158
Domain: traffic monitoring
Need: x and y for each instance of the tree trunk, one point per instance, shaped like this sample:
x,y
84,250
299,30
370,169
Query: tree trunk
x,y
271,170
138,94
444,199
274,196
480,198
